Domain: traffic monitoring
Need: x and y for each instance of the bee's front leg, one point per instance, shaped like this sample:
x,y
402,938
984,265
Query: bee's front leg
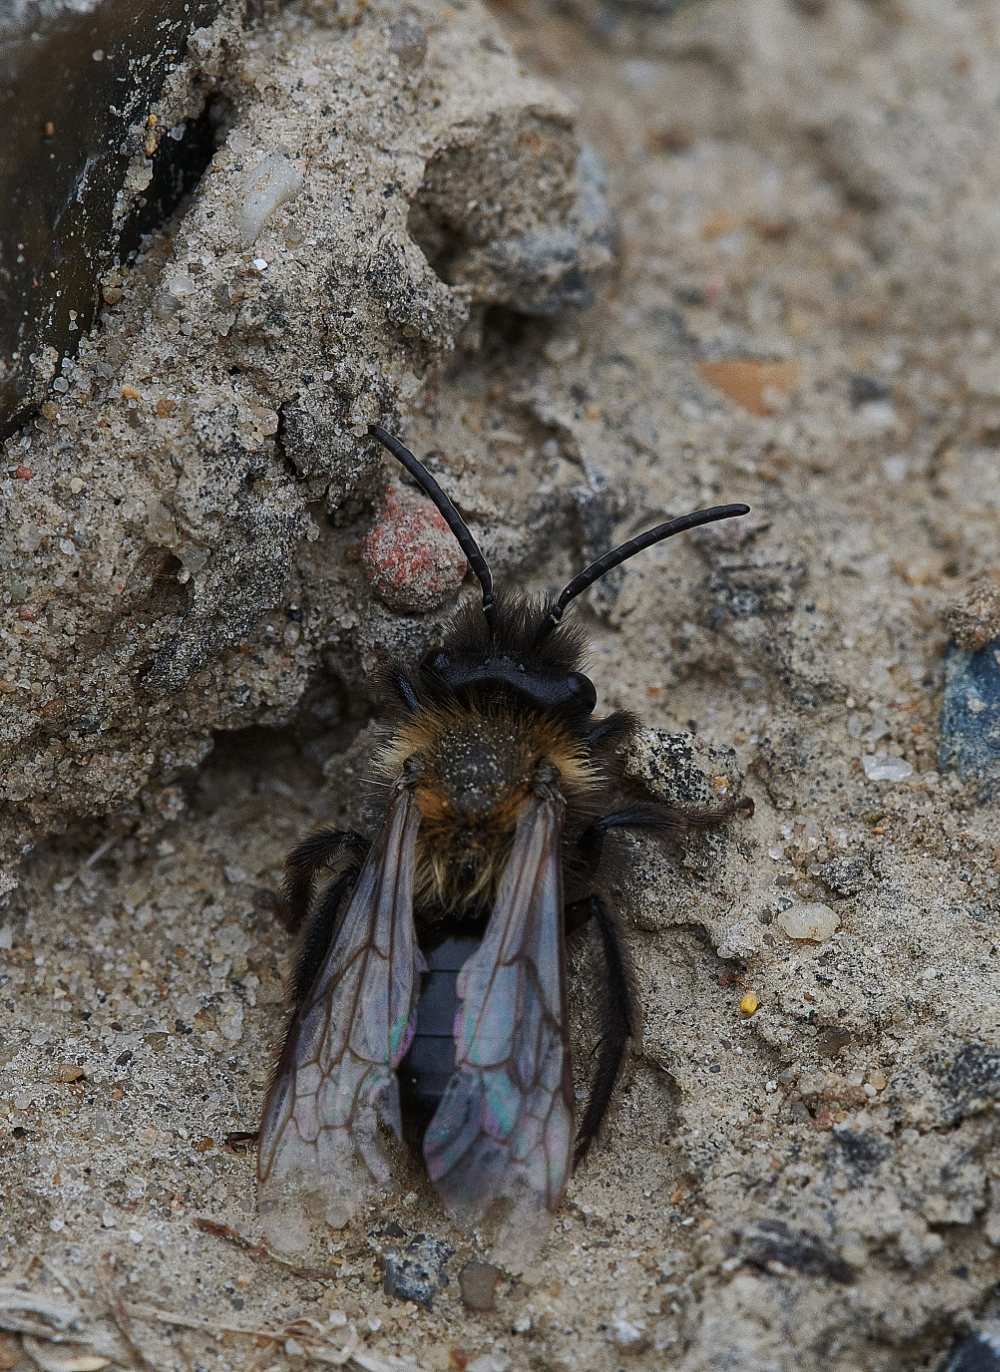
x,y
663,820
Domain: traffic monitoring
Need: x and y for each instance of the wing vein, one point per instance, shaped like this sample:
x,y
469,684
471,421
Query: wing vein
x,y
323,1143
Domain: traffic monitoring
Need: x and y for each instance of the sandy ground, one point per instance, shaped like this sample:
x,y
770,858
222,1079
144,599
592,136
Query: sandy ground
x,y
815,1186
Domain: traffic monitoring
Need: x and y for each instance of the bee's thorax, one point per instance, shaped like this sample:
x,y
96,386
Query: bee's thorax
x,y
474,771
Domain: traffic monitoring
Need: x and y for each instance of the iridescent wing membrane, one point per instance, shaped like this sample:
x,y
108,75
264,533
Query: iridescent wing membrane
x,y
504,1127
322,1140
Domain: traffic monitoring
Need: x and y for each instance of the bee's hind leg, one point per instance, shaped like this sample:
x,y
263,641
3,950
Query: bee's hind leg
x,y
619,1015
318,934
317,923
305,861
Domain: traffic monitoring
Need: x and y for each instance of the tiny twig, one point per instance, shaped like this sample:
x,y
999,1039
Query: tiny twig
x,y
80,1362
262,1356
65,1282
262,1252
318,1352
119,1314
58,1313
151,1312
17,1324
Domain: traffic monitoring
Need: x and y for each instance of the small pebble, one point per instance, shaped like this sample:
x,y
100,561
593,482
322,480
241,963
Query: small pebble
x,y
478,1282
879,767
411,557
748,1005
409,42
817,923
271,183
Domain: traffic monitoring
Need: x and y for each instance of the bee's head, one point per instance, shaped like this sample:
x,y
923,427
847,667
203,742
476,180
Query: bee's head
x,y
544,680
514,644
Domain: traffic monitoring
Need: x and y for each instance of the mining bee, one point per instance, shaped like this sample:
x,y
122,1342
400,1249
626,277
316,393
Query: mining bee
x,y
430,982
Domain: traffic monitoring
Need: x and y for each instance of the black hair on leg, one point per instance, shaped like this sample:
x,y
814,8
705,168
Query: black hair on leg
x,y
306,860
619,1016
662,820
318,935
614,728
395,683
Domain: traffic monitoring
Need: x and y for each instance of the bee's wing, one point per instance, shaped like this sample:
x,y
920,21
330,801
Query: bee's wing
x,y
335,1090
504,1127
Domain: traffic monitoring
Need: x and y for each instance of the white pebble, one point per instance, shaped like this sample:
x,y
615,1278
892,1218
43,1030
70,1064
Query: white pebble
x,y
879,767
273,182
817,923
626,1333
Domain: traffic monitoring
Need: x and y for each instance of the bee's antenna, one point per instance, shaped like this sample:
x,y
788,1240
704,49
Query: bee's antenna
x,y
635,545
451,517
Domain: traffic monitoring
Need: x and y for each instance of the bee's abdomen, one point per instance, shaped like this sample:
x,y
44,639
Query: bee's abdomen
x,y
428,1066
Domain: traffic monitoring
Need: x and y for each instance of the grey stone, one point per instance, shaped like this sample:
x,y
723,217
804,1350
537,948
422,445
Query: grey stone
x,y
230,383
417,1272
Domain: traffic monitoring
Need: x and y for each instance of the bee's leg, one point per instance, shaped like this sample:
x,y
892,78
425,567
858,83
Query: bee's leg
x,y
395,682
318,934
615,728
306,860
619,1015
660,819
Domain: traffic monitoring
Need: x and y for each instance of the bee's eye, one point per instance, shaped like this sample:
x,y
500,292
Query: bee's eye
x,y
583,688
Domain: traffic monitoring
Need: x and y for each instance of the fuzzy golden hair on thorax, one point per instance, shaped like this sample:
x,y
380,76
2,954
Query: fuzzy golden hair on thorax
x,y
474,769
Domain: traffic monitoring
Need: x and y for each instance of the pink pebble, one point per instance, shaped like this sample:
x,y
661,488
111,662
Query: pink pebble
x,y
411,557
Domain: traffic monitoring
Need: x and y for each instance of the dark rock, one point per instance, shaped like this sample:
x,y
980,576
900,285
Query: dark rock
x,y
978,1352
865,389
773,1242
970,714
418,1272
845,876
82,171
862,1152
973,1079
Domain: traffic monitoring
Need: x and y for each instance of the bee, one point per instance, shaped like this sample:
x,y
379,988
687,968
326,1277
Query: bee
x,y
430,981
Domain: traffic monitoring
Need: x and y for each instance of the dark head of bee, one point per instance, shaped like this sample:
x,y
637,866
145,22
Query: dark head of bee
x,y
509,663
431,969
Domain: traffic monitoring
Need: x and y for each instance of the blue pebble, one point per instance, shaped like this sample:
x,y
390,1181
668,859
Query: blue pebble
x,y
979,1352
970,715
